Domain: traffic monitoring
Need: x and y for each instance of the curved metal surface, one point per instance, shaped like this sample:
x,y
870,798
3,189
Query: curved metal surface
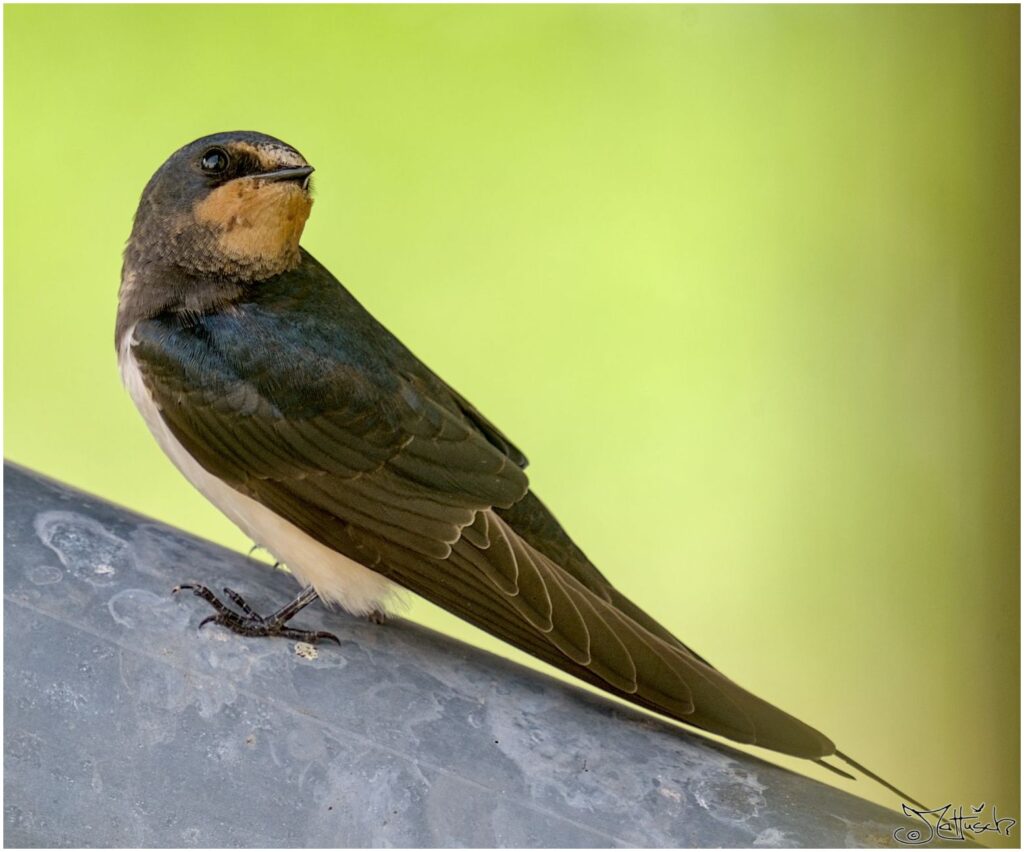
x,y
127,727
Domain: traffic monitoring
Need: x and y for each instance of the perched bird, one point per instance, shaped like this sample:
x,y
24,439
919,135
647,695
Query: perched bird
x,y
335,448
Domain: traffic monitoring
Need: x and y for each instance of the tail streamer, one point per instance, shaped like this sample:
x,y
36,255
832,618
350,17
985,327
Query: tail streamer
x,y
877,778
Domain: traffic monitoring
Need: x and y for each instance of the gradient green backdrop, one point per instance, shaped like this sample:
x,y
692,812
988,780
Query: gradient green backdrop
x,y
741,281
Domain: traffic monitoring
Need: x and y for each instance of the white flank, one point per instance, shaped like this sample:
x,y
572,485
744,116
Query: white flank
x,y
336,578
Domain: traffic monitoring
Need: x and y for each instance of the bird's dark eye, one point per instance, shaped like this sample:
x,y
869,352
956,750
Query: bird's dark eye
x,y
214,161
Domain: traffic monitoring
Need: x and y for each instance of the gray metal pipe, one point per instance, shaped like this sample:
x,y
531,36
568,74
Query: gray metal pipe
x,y
127,727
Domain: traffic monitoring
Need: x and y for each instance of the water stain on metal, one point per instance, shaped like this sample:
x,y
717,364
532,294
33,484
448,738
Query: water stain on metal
x,y
84,546
45,575
735,799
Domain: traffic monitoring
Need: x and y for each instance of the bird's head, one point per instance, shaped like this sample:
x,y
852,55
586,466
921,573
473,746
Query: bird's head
x,y
231,204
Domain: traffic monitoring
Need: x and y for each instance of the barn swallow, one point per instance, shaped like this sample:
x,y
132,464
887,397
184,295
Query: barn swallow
x,y
336,449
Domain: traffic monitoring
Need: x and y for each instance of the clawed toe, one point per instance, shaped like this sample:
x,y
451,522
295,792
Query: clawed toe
x,y
250,622
239,601
309,636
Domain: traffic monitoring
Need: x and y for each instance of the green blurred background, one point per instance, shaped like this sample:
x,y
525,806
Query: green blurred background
x,y
741,281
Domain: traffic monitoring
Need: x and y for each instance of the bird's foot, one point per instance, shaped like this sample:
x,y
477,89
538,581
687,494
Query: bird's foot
x,y
377,617
251,623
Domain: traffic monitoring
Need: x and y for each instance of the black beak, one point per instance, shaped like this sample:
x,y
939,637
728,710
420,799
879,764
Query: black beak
x,y
300,174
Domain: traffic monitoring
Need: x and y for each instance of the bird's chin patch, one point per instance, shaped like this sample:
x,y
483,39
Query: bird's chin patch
x,y
257,224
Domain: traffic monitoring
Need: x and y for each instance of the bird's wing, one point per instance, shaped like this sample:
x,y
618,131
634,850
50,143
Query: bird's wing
x,y
381,464
491,432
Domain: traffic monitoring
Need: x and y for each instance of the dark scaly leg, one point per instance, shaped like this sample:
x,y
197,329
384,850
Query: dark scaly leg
x,y
251,623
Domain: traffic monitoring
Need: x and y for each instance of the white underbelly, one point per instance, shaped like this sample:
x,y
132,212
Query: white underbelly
x,y
336,578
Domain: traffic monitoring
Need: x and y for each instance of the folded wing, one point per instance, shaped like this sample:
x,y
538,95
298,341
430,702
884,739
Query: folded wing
x,y
383,462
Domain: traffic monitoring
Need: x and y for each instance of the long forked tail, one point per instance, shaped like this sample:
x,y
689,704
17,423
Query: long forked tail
x,y
863,770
